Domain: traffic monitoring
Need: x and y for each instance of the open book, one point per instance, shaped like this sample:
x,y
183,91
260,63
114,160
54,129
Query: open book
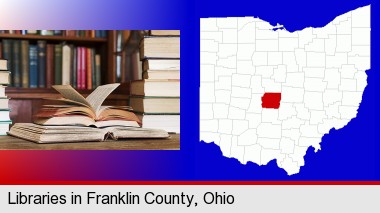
x,y
59,134
86,111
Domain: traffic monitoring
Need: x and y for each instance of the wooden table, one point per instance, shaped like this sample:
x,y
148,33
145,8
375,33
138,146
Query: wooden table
x,y
172,143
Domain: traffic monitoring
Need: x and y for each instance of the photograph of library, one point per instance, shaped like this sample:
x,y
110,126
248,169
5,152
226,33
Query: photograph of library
x,y
90,89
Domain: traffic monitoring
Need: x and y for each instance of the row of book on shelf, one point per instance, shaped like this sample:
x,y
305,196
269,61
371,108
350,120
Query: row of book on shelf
x,y
71,33
43,65
156,98
5,120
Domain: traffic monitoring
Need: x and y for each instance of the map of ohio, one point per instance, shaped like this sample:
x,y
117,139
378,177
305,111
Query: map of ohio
x,y
269,94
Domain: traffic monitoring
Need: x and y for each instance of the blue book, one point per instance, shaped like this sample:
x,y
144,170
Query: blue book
x,y
33,66
41,49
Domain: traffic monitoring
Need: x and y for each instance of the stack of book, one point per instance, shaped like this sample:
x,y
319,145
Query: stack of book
x,y
42,65
5,120
156,98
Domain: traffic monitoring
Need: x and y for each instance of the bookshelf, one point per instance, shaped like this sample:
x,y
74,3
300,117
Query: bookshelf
x,y
24,102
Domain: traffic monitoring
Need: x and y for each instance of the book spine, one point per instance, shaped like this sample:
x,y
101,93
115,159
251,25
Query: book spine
x,y
7,52
33,66
57,32
41,63
79,68
58,64
16,63
49,65
25,63
74,67
66,65
83,69
88,68
1,50
93,69
98,70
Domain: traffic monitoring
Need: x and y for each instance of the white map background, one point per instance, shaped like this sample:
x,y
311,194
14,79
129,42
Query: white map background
x,y
320,73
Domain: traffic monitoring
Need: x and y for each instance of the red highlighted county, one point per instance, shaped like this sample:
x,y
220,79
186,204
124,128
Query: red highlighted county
x,y
271,100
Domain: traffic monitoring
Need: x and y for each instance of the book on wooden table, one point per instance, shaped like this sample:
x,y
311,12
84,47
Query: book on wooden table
x,y
89,111
60,134
167,122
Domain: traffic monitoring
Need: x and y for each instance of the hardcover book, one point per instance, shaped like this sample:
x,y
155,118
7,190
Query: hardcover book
x,y
33,66
59,134
86,111
160,47
168,88
41,48
155,105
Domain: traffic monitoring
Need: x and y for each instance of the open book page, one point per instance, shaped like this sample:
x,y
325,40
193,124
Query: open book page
x,y
97,97
70,93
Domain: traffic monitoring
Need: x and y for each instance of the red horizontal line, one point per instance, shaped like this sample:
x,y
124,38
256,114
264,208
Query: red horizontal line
x,y
51,182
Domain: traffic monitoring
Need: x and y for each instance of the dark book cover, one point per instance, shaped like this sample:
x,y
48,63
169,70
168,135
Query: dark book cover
x,y
58,64
7,52
33,66
25,63
98,70
41,48
16,72
98,34
50,80
57,32
73,69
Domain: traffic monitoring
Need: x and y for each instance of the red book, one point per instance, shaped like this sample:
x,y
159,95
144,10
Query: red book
x,y
79,67
49,65
84,67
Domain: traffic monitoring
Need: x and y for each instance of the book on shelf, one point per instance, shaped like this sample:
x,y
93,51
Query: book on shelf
x,y
167,122
16,69
33,68
160,47
59,134
66,64
25,63
58,64
164,32
50,78
86,111
41,64
161,88
155,105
